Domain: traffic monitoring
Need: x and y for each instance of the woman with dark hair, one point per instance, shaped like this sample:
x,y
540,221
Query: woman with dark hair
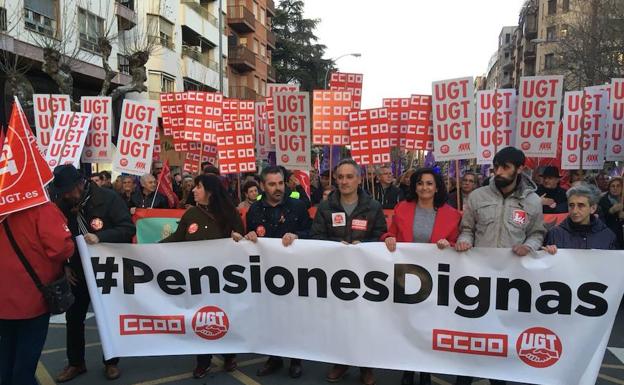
x,y
214,216
424,217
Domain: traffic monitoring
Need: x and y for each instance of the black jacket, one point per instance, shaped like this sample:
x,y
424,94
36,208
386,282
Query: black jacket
x,y
289,216
568,235
558,195
106,215
612,221
145,202
388,197
370,225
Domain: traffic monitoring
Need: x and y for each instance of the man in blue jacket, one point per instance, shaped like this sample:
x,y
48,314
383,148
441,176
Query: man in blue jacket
x,y
581,229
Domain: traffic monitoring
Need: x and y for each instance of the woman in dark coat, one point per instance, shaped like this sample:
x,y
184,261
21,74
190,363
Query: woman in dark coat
x,y
213,217
612,210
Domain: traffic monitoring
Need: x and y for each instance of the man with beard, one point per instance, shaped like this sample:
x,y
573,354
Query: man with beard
x,y
506,214
100,215
277,215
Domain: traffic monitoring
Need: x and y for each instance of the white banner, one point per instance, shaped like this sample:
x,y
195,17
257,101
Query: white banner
x,y
539,113
584,125
97,147
453,119
615,122
68,138
292,130
47,108
496,122
483,313
137,132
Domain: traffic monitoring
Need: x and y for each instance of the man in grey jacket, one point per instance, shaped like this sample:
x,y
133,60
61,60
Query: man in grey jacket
x,y
507,213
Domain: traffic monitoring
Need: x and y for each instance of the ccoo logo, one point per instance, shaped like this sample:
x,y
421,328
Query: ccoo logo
x,y
539,347
210,322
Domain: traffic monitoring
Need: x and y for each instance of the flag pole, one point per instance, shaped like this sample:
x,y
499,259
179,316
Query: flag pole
x,y
156,192
457,186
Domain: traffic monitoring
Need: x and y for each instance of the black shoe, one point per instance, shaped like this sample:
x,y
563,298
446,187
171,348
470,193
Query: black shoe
x,y
271,366
408,378
425,378
295,370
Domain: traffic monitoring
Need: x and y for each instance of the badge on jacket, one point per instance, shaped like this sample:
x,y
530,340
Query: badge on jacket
x,y
192,229
359,224
260,231
339,219
519,217
97,224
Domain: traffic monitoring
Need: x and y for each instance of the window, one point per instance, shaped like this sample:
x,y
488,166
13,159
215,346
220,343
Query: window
x,y
506,55
255,10
159,82
564,30
123,64
263,16
256,84
40,16
3,19
262,50
565,5
552,7
551,33
255,46
160,31
507,38
91,28
549,61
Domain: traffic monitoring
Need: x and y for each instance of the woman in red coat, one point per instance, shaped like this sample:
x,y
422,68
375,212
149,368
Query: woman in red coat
x,y
424,217
41,233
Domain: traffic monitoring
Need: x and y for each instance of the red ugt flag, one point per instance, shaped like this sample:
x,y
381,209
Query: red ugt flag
x,y
165,187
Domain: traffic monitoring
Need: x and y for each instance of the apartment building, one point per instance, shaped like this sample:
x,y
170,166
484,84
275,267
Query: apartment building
x,y
506,58
250,44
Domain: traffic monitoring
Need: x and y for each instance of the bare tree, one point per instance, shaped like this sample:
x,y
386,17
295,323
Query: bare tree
x,y
592,49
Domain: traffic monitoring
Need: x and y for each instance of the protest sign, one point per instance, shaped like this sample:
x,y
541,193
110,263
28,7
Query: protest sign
x,y
398,112
197,154
47,108
263,147
157,146
23,170
97,146
453,119
235,147
202,110
615,122
584,126
292,129
137,131
68,138
172,112
343,81
539,106
370,136
496,122
331,117
272,88
531,320
419,128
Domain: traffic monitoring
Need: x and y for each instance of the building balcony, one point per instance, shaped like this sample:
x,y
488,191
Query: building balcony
x,y
162,41
241,58
270,7
530,52
271,38
271,73
241,92
202,11
507,64
530,27
126,16
241,19
200,58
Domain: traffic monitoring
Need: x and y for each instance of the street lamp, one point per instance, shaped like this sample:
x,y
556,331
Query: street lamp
x,y
335,60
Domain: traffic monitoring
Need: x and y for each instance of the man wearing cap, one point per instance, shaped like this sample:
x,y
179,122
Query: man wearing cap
x,y
554,200
100,215
507,213
277,215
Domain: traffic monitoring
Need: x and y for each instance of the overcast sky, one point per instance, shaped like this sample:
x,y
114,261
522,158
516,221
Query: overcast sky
x,y
407,44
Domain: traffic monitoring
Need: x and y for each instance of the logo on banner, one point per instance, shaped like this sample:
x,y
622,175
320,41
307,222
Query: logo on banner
x,y
211,323
539,347
526,145
12,163
483,344
131,324
339,219
97,224
487,153
572,158
444,149
617,149
359,224
519,217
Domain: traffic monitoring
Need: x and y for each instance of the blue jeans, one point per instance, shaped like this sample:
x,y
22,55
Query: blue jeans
x,y
21,342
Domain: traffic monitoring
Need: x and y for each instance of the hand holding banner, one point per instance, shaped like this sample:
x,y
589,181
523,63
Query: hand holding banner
x,y
137,131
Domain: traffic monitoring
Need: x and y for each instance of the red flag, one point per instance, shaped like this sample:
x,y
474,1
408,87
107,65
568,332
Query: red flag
x,y
23,171
304,179
165,187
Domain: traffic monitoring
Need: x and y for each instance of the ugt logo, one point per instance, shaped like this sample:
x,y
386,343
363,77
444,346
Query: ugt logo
x,y
211,323
539,347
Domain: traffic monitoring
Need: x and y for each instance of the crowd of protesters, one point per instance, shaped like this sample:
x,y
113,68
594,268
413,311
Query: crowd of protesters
x,y
505,210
